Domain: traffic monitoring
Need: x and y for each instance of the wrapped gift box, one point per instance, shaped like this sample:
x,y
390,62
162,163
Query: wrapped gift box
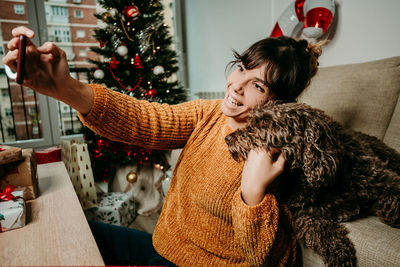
x,y
114,208
75,156
52,154
9,154
22,174
12,212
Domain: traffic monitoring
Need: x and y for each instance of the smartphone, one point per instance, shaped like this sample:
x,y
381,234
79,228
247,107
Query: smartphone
x,y
21,59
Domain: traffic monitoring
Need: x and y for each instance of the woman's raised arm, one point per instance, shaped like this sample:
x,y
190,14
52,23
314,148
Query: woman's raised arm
x,y
47,72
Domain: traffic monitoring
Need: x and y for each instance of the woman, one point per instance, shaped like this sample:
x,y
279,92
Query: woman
x,y
217,211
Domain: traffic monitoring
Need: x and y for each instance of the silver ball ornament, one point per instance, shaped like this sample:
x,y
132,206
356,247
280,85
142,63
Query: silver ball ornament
x,y
113,12
158,70
122,50
98,74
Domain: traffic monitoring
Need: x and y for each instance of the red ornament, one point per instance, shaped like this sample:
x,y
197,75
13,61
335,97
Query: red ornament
x,y
114,63
316,15
319,15
101,44
131,12
151,93
100,143
137,62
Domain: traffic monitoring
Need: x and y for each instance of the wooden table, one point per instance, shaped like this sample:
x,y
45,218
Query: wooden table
x,y
57,232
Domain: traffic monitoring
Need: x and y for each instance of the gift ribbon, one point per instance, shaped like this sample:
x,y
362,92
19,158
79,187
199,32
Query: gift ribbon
x,y
6,195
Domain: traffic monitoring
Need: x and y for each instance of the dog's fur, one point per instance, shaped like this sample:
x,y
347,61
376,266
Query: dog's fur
x,y
332,175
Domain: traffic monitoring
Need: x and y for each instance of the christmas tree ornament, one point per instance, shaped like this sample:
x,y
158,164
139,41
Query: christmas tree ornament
x,y
131,12
127,36
151,93
158,70
106,17
98,74
132,177
122,50
114,63
119,82
138,62
113,12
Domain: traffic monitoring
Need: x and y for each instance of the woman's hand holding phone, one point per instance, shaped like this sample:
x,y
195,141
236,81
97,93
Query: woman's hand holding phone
x,y
46,71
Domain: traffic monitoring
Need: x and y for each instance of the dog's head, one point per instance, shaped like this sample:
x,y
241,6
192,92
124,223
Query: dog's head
x,y
303,134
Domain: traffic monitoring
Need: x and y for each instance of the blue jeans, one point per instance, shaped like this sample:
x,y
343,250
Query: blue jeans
x,y
125,246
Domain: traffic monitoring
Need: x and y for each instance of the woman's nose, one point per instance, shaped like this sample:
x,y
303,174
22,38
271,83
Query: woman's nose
x,y
238,87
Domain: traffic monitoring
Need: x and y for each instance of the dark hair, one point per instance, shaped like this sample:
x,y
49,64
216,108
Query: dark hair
x,y
290,64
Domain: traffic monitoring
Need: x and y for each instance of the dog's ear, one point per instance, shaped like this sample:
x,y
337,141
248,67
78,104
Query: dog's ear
x,y
320,154
237,145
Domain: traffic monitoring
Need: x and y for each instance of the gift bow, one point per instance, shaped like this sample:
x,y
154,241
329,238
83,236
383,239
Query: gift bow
x,y
6,193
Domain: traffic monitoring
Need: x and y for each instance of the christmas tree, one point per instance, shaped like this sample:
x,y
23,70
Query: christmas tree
x,y
136,59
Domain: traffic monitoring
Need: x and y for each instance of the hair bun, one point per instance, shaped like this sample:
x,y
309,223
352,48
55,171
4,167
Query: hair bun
x,y
302,44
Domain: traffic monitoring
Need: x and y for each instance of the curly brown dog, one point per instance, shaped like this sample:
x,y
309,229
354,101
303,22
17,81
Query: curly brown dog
x,y
332,174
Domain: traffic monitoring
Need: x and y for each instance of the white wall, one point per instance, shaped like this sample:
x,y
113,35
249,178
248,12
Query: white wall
x,y
213,29
365,30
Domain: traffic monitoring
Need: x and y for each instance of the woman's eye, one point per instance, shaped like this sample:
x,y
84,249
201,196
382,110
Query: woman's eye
x,y
259,87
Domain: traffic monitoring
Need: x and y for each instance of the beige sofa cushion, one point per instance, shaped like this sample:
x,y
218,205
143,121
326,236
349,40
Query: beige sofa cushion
x,y
376,244
361,96
392,136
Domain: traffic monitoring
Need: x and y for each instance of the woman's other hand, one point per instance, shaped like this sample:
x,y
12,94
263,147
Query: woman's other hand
x,y
260,169
47,71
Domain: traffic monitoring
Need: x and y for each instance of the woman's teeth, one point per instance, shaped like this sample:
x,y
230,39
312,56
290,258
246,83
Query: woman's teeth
x,y
233,102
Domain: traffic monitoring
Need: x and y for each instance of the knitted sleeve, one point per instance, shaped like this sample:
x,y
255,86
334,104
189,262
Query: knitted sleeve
x,y
122,118
264,232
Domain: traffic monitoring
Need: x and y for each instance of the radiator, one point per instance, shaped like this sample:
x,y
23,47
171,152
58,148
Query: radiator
x,y
210,95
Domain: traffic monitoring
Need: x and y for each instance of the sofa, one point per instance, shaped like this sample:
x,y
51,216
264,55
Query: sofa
x,y
364,97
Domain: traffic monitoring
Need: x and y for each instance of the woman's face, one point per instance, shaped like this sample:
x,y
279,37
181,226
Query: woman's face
x,y
245,89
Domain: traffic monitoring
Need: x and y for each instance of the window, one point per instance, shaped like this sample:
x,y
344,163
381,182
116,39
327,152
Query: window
x,y
82,52
78,13
29,92
8,112
80,34
4,92
77,1
32,110
62,35
59,11
19,9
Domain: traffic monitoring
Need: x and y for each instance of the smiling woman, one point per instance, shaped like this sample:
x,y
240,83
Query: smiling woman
x,y
272,68
217,211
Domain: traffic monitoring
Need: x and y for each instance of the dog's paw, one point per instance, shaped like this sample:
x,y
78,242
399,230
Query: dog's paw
x,y
389,209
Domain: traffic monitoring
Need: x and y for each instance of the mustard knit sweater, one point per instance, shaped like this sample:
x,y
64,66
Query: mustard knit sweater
x,y
204,221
